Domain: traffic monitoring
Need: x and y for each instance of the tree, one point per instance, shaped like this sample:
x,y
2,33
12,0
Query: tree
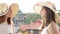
x,y
19,11
30,17
58,12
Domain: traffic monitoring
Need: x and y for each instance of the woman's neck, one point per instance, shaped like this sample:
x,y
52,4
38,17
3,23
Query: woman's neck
x,y
52,22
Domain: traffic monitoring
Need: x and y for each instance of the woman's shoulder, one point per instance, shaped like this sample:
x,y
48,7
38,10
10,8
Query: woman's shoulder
x,y
53,28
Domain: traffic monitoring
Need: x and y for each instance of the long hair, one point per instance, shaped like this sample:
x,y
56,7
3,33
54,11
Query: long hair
x,y
9,21
2,19
50,16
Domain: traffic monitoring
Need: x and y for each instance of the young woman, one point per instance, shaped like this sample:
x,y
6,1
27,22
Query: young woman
x,y
13,9
47,11
4,14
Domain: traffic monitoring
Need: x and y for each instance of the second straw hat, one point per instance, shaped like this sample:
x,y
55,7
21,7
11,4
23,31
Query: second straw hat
x,y
14,7
37,7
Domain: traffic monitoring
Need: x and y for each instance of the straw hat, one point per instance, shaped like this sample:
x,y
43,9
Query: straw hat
x,y
37,7
14,8
3,9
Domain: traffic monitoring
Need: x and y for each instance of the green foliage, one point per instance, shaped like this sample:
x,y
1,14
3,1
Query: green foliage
x,y
59,15
58,12
32,17
19,11
59,24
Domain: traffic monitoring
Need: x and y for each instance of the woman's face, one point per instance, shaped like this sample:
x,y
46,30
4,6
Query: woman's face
x,y
43,12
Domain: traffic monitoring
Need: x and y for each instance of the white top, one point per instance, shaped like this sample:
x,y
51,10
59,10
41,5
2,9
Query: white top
x,y
44,31
10,29
4,28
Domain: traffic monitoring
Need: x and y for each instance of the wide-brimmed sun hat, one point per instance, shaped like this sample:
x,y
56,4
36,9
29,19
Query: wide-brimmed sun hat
x,y
3,9
37,7
14,7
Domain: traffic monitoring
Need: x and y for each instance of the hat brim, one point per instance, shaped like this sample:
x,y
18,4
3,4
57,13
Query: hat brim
x,y
3,9
14,8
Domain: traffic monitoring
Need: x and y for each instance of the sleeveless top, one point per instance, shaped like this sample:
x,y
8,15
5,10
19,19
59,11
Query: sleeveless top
x,y
10,28
4,28
44,31
49,27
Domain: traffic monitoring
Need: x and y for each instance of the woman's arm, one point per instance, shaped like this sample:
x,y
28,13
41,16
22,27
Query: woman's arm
x,y
12,26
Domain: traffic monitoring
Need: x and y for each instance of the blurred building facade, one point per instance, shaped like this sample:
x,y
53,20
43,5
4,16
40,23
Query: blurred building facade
x,y
19,19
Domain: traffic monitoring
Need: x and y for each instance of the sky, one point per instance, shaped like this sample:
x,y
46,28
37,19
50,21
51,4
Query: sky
x,y
26,6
